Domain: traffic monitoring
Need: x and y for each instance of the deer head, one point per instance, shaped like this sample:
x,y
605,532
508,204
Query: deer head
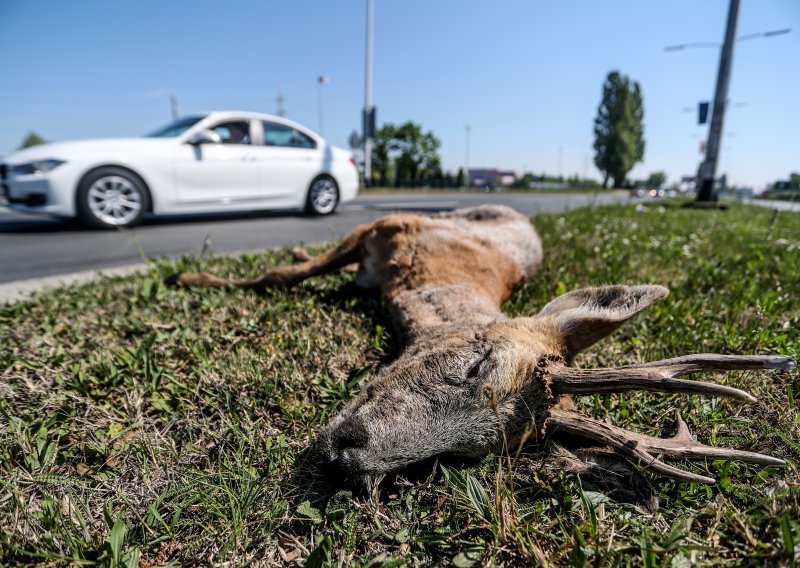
x,y
462,390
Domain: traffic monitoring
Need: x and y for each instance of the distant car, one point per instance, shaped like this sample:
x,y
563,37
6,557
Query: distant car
x,y
215,162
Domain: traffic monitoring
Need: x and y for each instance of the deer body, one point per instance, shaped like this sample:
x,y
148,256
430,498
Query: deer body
x,y
453,269
471,378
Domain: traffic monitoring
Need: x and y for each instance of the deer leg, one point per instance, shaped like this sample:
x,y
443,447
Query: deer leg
x,y
301,255
349,251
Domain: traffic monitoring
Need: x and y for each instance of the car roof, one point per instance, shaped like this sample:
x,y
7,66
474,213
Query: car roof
x,y
232,114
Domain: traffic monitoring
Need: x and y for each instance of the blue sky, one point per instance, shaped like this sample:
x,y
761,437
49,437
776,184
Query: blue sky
x,y
525,75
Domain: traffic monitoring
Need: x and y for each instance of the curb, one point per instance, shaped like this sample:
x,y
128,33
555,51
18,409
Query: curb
x,y
11,292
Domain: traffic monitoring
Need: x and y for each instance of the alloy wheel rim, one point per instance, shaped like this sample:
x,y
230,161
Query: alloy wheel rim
x,y
114,200
323,196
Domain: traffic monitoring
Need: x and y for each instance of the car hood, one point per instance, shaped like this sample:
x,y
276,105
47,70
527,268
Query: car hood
x,y
80,148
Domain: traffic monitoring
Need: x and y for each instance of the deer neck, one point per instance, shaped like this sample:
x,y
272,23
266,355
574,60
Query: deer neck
x,y
423,310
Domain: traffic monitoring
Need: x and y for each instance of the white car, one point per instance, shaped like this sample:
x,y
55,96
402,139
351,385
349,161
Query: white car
x,y
215,162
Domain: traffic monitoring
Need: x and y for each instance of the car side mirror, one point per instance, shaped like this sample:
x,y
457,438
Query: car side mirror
x,y
205,137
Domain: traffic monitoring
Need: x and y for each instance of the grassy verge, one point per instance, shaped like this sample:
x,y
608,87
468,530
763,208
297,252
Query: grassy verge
x,y
141,425
477,191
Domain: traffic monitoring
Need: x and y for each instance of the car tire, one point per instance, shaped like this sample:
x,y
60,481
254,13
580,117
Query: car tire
x,y
322,197
112,198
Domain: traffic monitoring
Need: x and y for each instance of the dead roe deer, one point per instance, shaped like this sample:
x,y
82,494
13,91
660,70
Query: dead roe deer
x,y
470,378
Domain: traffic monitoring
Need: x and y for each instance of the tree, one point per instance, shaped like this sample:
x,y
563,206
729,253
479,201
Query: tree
x,y
412,152
381,162
461,179
619,128
656,180
32,139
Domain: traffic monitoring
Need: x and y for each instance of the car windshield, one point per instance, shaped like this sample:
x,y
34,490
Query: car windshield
x,y
176,128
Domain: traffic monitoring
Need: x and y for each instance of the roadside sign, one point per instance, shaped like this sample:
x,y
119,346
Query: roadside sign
x,y
702,114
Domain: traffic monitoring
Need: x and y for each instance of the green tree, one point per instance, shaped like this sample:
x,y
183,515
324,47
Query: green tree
x,y
619,128
657,179
524,181
413,153
381,161
32,139
461,179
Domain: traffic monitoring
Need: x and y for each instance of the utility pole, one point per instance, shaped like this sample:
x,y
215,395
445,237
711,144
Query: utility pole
x,y
279,109
706,192
368,102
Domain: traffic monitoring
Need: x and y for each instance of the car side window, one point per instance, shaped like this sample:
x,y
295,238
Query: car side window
x,y
233,132
285,136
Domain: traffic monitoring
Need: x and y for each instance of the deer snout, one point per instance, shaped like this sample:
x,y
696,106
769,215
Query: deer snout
x,y
339,447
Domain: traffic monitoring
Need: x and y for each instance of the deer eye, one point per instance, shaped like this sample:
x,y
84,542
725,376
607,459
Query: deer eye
x,y
474,371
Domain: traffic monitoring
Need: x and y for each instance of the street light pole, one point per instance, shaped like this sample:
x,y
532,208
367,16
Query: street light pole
x,y
173,102
321,81
706,191
368,101
467,129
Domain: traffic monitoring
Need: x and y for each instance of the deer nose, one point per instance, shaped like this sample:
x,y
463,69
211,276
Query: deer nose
x,y
342,442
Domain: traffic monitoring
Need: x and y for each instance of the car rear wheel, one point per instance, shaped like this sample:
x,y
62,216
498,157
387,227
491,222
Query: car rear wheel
x,y
112,197
323,196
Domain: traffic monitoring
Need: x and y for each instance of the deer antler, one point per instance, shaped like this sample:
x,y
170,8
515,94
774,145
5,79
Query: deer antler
x,y
659,376
641,448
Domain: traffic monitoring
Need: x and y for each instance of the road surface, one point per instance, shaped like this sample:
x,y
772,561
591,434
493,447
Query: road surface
x,y
37,247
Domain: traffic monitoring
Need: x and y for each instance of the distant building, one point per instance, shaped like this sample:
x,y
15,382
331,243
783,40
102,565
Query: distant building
x,y
491,177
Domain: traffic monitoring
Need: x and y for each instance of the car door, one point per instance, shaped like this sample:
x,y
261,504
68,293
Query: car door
x,y
288,159
219,173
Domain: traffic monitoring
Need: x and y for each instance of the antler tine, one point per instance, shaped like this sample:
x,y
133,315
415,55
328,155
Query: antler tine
x,y
642,447
678,366
683,446
659,376
620,440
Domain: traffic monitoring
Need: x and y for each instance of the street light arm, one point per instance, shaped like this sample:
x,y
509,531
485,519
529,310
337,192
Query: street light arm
x,y
682,46
764,34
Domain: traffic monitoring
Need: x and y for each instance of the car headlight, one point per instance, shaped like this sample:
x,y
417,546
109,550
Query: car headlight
x,y
37,167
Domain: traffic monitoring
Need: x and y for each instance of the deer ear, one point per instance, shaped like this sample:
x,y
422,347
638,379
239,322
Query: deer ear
x,y
586,316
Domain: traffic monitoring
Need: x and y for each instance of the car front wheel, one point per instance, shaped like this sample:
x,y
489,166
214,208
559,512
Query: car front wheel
x,y
112,197
323,196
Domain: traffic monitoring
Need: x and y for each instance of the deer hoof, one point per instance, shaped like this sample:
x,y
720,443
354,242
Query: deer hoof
x,y
173,280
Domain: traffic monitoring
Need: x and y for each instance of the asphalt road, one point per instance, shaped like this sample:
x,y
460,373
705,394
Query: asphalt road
x,y
36,247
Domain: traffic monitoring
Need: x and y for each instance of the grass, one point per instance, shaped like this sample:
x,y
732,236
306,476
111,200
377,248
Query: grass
x,y
477,191
146,426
